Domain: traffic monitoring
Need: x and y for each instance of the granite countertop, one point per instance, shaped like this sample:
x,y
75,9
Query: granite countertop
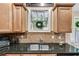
x,y
24,48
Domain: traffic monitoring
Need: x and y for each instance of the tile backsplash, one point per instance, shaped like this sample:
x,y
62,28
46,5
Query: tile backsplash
x,y
49,37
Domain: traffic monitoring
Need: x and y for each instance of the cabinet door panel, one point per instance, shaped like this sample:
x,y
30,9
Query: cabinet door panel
x,y
12,54
48,54
5,17
64,19
23,23
38,54
17,18
30,54
55,19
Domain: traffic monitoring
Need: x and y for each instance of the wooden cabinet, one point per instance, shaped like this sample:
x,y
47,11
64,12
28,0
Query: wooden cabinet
x,y
19,21
48,54
62,18
12,18
5,17
22,54
38,54
30,54
12,54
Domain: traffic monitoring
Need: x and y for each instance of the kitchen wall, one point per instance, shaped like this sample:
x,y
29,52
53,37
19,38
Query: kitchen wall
x,y
45,37
71,37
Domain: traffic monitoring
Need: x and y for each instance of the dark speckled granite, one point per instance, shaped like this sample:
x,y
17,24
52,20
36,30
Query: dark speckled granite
x,y
54,48
23,48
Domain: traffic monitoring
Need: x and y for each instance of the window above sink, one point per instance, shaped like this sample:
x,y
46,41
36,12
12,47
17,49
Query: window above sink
x,y
39,19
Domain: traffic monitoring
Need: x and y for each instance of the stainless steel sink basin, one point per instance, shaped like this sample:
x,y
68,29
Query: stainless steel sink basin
x,y
37,47
34,47
44,47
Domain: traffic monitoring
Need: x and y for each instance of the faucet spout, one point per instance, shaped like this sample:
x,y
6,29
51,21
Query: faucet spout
x,y
41,41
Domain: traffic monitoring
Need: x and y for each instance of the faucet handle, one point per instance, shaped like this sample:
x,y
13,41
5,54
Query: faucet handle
x,y
41,40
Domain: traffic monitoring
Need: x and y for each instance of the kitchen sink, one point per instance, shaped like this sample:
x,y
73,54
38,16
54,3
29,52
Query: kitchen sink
x,y
44,47
39,47
34,47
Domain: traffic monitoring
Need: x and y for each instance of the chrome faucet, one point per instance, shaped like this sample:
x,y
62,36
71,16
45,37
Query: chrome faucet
x,y
40,40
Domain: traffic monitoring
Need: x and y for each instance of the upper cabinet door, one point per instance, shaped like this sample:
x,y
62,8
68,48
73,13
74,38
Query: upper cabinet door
x,y
65,19
62,18
12,18
24,20
16,18
19,15
5,17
